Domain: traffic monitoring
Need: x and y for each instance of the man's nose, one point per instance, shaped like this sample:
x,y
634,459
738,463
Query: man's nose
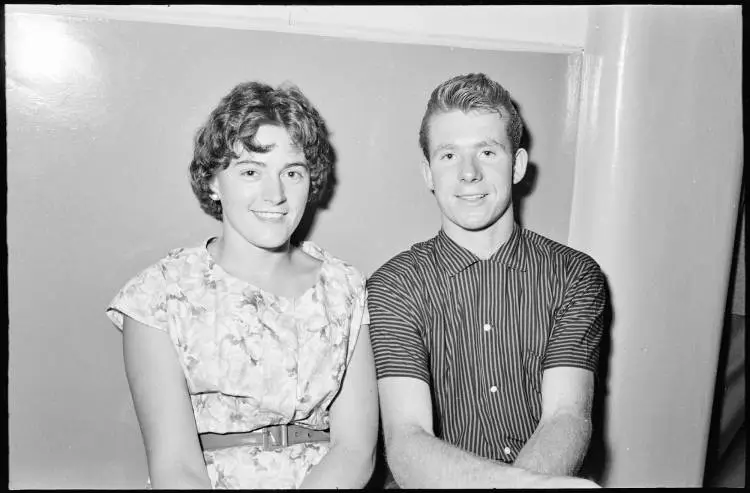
x,y
470,170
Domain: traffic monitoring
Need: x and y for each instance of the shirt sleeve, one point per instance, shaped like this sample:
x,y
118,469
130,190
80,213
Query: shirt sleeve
x,y
143,299
397,344
577,329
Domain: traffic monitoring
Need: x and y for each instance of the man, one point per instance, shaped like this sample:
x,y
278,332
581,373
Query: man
x,y
486,336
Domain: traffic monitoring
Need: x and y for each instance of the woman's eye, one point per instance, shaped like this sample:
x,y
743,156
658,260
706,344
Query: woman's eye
x,y
295,174
448,156
249,172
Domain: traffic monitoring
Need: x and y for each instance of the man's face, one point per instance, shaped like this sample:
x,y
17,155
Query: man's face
x,y
470,169
264,195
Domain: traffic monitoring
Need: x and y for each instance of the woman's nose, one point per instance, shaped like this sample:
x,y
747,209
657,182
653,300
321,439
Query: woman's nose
x,y
273,191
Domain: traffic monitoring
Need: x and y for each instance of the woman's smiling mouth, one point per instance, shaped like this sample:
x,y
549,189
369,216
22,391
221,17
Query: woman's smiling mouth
x,y
270,215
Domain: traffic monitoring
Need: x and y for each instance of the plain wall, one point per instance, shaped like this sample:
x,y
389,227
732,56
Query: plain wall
x,y
101,116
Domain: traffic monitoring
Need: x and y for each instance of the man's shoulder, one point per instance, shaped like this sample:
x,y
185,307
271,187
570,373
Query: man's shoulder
x,y
540,248
405,264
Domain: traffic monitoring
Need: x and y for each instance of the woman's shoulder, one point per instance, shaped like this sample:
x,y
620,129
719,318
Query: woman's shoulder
x,y
143,296
178,263
334,266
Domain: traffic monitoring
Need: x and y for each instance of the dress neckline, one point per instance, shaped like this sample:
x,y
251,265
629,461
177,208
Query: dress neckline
x,y
307,246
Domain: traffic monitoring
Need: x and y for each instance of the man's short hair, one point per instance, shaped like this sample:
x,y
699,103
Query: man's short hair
x,y
472,92
236,120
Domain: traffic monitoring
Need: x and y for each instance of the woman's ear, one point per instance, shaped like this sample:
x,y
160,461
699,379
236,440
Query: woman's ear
x,y
213,185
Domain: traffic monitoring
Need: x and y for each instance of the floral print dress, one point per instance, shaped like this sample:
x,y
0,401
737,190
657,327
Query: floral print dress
x,y
252,359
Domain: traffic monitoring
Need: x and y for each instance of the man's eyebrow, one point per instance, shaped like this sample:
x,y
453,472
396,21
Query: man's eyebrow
x,y
483,143
442,147
490,142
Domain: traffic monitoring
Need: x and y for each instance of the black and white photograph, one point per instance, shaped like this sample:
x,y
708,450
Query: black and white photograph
x,y
375,247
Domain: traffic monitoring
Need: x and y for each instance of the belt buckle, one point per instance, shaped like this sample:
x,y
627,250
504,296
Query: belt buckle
x,y
275,437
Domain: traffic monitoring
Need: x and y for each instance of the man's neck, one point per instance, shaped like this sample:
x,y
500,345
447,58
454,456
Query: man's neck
x,y
483,243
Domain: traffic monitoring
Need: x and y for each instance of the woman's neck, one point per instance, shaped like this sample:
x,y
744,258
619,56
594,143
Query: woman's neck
x,y
242,259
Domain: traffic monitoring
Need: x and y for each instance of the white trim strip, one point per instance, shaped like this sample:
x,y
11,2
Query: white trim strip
x,y
286,19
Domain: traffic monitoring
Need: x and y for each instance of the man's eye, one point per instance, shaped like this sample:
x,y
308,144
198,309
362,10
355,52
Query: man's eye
x,y
448,156
488,153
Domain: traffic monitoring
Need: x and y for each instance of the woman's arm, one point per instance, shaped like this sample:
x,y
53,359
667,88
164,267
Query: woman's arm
x,y
354,426
163,407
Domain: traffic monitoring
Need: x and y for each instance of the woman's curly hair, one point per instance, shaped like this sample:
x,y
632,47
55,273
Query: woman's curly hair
x,y
236,120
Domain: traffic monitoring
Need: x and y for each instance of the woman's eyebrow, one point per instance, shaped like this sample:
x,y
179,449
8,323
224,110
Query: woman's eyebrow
x,y
249,161
297,163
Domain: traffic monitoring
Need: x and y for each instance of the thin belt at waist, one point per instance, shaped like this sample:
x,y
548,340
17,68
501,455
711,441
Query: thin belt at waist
x,y
269,438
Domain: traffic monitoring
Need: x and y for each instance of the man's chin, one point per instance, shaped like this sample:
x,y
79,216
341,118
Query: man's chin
x,y
474,225
480,220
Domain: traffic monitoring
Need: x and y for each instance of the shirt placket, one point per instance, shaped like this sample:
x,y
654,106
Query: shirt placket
x,y
489,332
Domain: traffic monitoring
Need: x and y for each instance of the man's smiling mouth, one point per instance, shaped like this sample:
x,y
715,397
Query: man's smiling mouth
x,y
473,197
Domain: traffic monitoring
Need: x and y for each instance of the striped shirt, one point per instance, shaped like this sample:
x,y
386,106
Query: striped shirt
x,y
481,332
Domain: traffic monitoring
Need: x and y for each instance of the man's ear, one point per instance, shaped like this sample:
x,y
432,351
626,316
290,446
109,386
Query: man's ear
x,y
519,165
427,174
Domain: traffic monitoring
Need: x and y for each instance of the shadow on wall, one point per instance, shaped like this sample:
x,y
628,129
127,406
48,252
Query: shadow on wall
x,y
526,186
307,222
728,409
596,460
596,463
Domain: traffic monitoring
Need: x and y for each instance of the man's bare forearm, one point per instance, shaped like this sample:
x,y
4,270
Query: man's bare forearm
x,y
420,460
558,446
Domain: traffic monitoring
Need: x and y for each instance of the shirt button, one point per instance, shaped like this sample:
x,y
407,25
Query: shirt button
x,y
493,389
506,450
487,327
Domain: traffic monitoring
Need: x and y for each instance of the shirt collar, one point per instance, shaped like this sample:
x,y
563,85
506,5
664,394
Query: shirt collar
x,y
454,258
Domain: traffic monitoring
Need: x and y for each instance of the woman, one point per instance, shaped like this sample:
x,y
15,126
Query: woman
x,y
248,358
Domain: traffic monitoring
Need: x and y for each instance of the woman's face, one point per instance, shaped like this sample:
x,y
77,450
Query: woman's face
x,y
264,194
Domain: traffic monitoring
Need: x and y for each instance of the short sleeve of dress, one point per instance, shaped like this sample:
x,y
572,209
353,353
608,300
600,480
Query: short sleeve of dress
x,y
577,329
359,316
397,345
143,299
